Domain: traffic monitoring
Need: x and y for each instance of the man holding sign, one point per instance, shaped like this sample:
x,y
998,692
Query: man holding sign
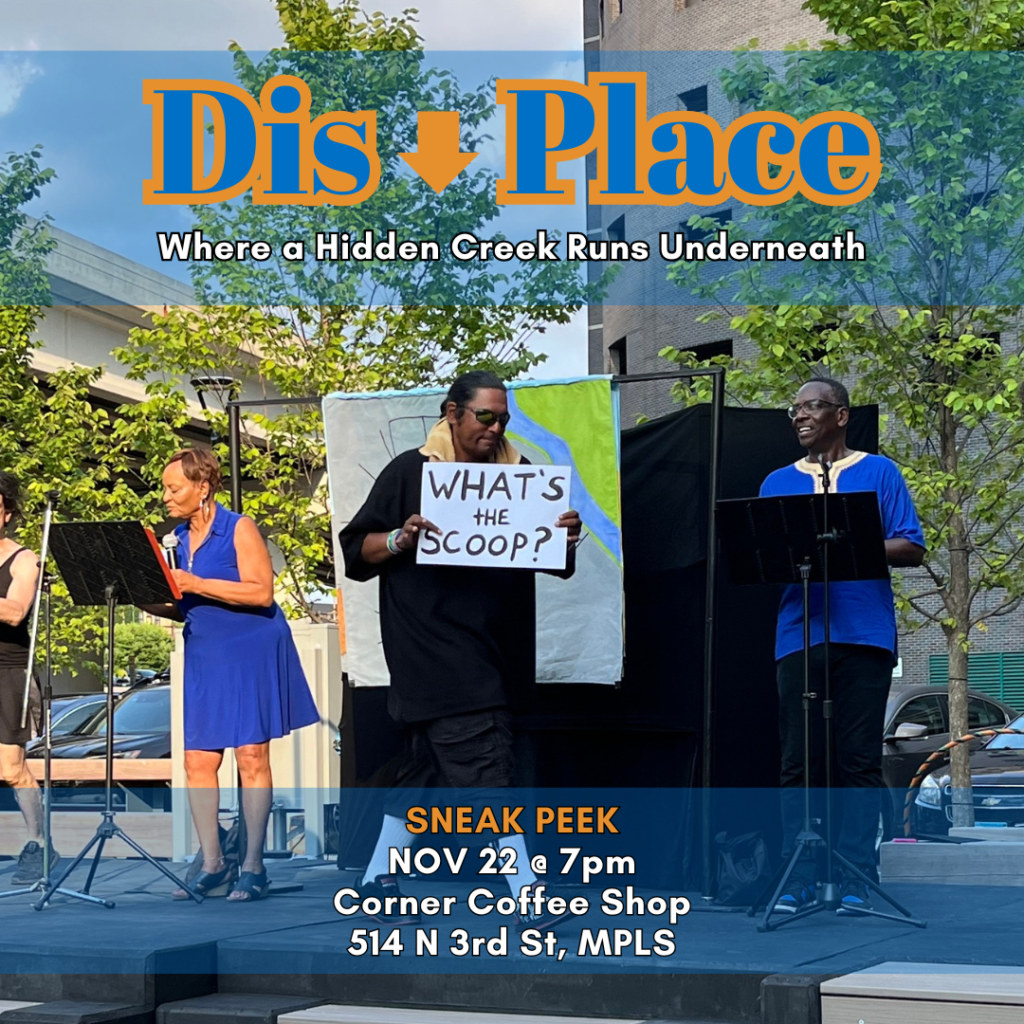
x,y
457,638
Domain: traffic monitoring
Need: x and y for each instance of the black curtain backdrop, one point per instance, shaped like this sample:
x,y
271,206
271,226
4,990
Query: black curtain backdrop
x,y
646,732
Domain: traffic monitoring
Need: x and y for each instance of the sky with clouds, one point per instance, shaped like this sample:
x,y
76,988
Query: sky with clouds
x,y
196,25
211,24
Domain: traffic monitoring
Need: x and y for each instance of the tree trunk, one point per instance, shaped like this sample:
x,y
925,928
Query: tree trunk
x,y
958,611
963,802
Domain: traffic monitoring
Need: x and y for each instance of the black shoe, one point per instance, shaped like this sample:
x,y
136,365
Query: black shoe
x,y
854,897
228,852
545,919
208,883
796,896
385,888
30,864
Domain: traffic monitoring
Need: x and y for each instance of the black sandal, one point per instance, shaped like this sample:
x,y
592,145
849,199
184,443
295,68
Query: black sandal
x,y
254,885
209,883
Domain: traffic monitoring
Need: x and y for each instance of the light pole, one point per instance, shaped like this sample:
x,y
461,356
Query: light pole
x,y
218,384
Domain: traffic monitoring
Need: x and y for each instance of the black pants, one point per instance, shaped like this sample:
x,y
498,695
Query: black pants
x,y
861,677
471,752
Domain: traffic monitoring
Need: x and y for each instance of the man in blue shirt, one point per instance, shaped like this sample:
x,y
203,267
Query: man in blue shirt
x,y
862,639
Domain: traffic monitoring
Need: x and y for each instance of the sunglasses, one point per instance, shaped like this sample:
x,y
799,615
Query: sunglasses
x,y
811,405
489,418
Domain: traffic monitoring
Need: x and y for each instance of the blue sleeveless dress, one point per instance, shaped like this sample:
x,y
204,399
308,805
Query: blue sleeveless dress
x,y
243,679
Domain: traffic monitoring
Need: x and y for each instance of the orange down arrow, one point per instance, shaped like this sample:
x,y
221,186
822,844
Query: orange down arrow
x,y
439,159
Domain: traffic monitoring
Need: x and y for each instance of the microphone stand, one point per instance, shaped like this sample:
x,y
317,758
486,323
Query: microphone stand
x,y
830,891
44,549
43,590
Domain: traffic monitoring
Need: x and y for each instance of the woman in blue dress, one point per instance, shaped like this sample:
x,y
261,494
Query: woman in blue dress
x,y
244,685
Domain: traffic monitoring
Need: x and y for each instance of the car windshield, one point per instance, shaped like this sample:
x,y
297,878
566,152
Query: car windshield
x,y
1007,741
73,720
142,711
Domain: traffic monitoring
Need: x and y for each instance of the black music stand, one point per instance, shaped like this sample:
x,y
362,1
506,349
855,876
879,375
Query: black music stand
x,y
108,564
797,540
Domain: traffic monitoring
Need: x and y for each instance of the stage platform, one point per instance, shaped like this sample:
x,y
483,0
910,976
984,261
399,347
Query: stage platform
x,y
151,950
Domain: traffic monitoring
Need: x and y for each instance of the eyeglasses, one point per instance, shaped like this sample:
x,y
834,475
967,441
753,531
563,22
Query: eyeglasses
x,y
811,405
488,417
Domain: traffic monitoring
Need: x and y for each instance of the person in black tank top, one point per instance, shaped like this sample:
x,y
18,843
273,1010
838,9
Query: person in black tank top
x,y
19,575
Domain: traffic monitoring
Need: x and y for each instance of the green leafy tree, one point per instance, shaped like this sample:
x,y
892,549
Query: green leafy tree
x,y
52,435
24,243
140,645
298,329
946,223
307,335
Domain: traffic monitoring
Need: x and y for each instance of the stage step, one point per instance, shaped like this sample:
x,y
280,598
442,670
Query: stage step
x,y
75,1011
230,1008
492,998
12,1004
920,993
334,1013
993,863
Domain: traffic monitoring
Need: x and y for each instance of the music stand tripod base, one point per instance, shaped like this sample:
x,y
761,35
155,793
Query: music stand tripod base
x,y
44,886
102,564
108,829
828,900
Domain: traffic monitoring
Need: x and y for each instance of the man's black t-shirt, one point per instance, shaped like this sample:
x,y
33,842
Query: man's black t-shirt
x,y
455,638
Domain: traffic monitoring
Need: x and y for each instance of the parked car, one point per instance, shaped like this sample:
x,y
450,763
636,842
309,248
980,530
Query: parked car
x,y
67,715
997,787
143,676
142,727
916,725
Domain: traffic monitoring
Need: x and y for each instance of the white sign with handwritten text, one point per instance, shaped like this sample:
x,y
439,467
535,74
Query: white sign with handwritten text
x,y
494,516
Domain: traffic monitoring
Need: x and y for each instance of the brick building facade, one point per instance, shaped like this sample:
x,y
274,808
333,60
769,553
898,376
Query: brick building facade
x,y
627,338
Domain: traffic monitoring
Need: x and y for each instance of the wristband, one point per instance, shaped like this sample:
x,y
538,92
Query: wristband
x,y
392,541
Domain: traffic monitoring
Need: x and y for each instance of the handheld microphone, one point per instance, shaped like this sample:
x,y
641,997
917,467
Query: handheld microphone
x,y
170,543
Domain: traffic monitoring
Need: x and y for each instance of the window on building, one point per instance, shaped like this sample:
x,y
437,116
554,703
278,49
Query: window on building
x,y
984,349
720,217
617,357
987,346
695,100
976,201
819,349
710,349
617,229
